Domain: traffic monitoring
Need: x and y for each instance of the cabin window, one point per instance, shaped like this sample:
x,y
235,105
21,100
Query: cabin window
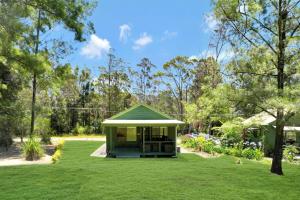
x,y
121,134
159,133
131,134
290,137
126,134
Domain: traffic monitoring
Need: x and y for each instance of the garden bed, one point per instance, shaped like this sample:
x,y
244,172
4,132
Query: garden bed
x,y
13,156
198,153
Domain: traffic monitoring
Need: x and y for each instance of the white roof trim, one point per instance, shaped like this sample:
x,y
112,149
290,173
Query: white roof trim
x,y
291,128
262,118
144,122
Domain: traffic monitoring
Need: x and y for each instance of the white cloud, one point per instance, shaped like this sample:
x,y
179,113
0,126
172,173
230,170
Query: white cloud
x,y
168,35
96,47
125,32
225,55
211,22
142,41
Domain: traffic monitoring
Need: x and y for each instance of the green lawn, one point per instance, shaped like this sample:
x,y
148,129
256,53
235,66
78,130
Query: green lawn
x,y
79,176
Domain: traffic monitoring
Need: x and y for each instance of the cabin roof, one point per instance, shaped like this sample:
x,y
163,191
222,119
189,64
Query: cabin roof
x,y
141,114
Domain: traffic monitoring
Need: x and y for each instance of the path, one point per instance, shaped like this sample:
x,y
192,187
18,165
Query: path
x,y
100,152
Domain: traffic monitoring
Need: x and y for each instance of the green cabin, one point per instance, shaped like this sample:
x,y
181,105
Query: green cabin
x,y
264,124
141,131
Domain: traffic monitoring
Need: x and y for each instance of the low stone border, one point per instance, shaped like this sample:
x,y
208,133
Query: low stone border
x,y
21,161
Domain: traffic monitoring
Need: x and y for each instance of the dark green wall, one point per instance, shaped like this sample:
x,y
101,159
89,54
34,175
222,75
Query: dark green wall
x,y
269,139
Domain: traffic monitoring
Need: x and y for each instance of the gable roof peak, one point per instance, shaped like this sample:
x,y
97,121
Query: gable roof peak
x,y
141,112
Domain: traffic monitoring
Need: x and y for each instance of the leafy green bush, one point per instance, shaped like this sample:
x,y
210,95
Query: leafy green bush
x,y
191,143
56,156
60,145
218,149
258,154
231,132
208,147
32,149
81,130
228,151
200,141
248,153
78,130
290,152
237,152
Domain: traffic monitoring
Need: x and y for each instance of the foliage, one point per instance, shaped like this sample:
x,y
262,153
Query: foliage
x,y
212,105
46,138
290,152
56,156
232,132
208,146
207,75
191,143
177,76
32,149
218,149
248,153
144,79
184,139
42,126
23,52
265,37
60,144
81,130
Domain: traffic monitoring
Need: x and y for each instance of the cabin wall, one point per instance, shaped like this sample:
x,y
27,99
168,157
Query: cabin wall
x,y
113,141
269,139
172,132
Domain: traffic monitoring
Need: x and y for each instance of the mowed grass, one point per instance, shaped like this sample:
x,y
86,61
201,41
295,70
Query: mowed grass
x,y
79,176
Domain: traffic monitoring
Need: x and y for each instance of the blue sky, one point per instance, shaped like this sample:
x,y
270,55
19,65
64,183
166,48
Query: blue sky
x,y
157,29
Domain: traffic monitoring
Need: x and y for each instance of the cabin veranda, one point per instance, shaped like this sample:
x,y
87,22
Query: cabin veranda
x,y
139,132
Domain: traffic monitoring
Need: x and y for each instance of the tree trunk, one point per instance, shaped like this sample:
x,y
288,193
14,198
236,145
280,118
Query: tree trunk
x,y
35,76
33,103
21,136
109,84
180,104
277,157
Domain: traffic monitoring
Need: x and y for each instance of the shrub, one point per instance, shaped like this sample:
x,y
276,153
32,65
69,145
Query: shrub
x,y
248,153
218,149
258,154
56,156
191,143
78,130
290,152
232,133
200,141
184,139
208,146
60,145
237,152
32,149
46,139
